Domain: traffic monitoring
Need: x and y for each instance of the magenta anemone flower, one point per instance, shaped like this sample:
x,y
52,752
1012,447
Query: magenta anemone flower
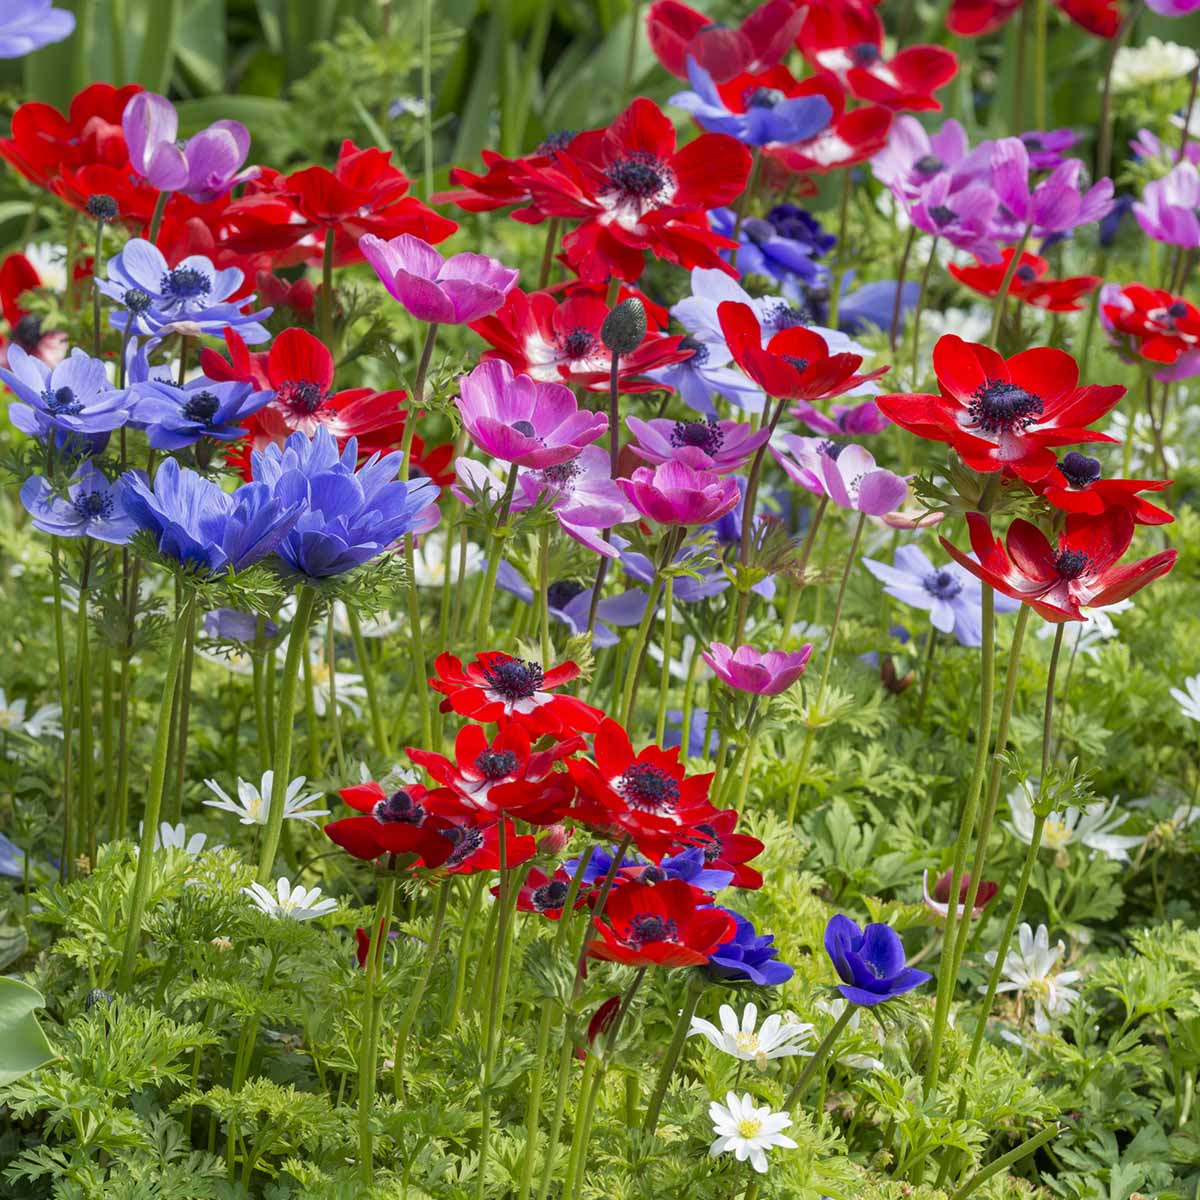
x,y
858,420
1173,8
204,168
448,291
1055,205
1167,209
963,217
673,493
707,445
750,670
522,420
844,472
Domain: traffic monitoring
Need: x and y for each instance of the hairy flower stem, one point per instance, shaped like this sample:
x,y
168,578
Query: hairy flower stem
x,y
835,293
819,1055
614,455
1005,284
86,833
495,552
744,201
683,1027
983,732
368,1054
66,703
553,228
1024,1150
418,992
325,313
466,941
664,681
297,642
154,795
916,318
898,303
181,733
1105,125
156,219
670,545
370,682
926,674
335,724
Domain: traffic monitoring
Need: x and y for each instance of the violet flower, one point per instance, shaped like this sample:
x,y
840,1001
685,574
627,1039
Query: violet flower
x,y
749,955
1173,8
92,507
522,420
764,248
846,473
759,673
952,596
1046,149
695,586
1167,209
705,374
204,168
770,116
174,417
1148,146
233,625
28,25
912,157
870,962
964,218
73,401
673,493
446,291
712,445
1055,205
856,420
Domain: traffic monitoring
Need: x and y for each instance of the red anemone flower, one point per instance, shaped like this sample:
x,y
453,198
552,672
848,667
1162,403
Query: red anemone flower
x,y
398,823
1075,486
795,364
727,850
560,342
1028,282
971,18
18,276
631,191
501,775
498,687
646,796
1150,323
547,894
849,138
289,215
1002,413
299,295
847,41
1058,581
659,924
476,848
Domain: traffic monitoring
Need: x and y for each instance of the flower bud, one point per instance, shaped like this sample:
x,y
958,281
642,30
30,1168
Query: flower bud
x,y
624,327
554,841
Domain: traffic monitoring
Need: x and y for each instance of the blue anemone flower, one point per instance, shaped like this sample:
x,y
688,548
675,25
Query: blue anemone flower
x,y
233,625
92,507
870,962
174,416
748,955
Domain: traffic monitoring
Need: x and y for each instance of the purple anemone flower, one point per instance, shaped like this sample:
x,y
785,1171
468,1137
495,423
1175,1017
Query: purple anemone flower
x,y
749,955
233,625
689,865
673,493
191,298
448,291
689,589
964,217
1055,205
523,420
199,525
870,962
845,472
765,249
72,400
1167,209
174,417
348,516
856,420
1173,8
204,168
92,507
913,157
757,672
706,374
28,25
712,445
770,116
952,596
1046,149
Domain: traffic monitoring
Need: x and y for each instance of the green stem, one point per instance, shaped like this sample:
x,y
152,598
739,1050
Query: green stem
x,y
325,313
466,940
1006,1160
840,254
66,703
630,51
96,339
368,1056
1105,124
1006,283
370,682
297,642
926,673
916,320
86,832
664,683
335,722
181,734
427,95
744,202
682,1028
544,591
820,1054
154,795
160,207
1039,65
418,994
897,302
494,554
553,227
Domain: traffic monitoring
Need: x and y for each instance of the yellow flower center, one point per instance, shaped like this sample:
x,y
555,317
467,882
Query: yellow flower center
x,y
747,1043
1055,833
749,1127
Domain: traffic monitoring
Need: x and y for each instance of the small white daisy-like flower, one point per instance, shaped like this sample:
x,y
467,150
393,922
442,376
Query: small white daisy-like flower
x,y
430,560
1094,826
290,903
45,722
747,1130
348,688
175,837
1028,970
1154,61
254,803
1188,697
778,1038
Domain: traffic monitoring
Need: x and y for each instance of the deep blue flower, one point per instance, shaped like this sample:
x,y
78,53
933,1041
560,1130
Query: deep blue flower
x,y
770,116
92,507
232,625
763,250
73,400
748,956
196,523
698,746
802,228
689,865
174,417
192,298
869,961
1110,225
349,516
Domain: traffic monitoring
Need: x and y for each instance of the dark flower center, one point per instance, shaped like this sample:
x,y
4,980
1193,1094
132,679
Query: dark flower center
x,y
704,435
91,505
399,807
712,843
579,343
1177,310
833,449
699,351
1070,564
1025,273
136,300
787,316
101,206
561,474
652,874
514,678
524,428
942,585
801,364
551,145
650,927
550,895
1032,142
999,407
639,176
765,98
301,396
201,408
27,332
496,764
560,593
1079,469
648,787
185,283
928,164
62,402
942,215
864,54
466,842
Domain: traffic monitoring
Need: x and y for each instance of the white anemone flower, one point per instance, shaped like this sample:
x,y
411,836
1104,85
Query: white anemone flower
x,y
348,687
45,722
1029,971
1187,697
747,1130
779,1037
429,560
1093,826
175,837
290,903
1154,61
254,803
1087,637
